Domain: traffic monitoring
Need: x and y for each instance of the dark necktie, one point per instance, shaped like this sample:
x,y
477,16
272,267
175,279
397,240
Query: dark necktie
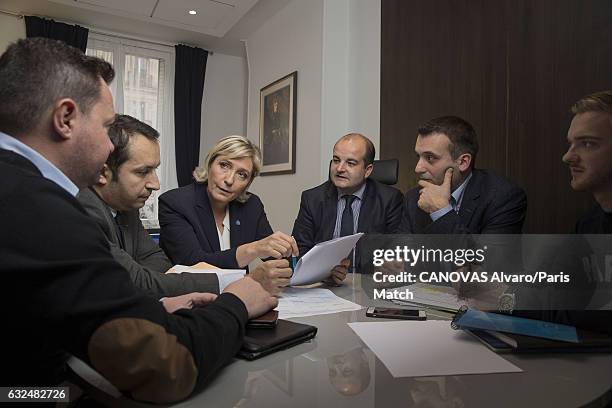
x,y
119,232
453,203
346,224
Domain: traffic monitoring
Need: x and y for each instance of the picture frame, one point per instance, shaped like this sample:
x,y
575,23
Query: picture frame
x,y
277,125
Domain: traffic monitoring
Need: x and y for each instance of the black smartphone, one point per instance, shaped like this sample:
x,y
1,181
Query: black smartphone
x,y
396,313
266,321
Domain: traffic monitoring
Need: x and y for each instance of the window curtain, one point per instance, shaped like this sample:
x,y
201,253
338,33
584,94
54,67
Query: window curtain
x,y
188,90
71,34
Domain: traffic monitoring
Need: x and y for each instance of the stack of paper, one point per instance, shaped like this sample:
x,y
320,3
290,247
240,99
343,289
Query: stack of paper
x,y
319,261
299,302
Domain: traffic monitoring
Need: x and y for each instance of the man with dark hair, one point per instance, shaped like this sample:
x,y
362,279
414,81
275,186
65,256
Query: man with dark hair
x,y
66,293
349,202
126,181
453,196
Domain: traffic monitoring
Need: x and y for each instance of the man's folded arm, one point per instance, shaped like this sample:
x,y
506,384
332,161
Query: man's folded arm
x,y
86,304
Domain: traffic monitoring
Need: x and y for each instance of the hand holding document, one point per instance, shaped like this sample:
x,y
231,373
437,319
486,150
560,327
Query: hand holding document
x,y
317,264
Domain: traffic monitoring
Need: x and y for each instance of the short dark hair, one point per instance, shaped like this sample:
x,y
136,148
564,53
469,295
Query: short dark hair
x,y
460,132
36,72
120,132
370,149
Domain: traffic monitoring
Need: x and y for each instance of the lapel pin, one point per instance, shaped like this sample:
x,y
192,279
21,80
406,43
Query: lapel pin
x,y
237,222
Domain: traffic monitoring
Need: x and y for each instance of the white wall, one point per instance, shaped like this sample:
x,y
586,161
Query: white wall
x,y
225,100
364,68
351,73
289,41
11,29
335,47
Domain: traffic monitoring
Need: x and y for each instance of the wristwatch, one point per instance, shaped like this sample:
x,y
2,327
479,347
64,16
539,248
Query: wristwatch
x,y
506,302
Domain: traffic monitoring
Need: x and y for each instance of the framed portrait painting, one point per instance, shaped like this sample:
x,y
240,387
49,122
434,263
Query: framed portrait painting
x,y
277,114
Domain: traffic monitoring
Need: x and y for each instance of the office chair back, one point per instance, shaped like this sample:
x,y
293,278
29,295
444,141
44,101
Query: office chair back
x,y
385,171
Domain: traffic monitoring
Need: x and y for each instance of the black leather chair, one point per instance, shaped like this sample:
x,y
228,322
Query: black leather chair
x,y
385,171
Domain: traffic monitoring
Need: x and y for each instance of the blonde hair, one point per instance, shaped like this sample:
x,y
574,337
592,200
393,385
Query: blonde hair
x,y
231,147
595,102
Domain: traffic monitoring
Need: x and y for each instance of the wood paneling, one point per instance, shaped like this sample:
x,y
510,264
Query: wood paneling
x,y
510,67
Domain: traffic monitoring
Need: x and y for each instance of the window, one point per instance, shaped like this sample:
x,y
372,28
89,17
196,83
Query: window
x,y
144,88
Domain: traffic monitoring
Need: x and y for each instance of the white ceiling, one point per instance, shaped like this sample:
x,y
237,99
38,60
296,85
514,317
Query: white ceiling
x,y
218,26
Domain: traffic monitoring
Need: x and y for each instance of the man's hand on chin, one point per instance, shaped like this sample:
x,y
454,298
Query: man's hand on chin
x,y
433,197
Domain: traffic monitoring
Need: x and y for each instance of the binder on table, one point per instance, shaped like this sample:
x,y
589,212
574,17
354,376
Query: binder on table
x,y
477,319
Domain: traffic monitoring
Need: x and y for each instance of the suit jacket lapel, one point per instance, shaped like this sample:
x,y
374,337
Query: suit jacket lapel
x,y
422,219
363,222
330,208
470,198
206,217
109,219
235,215
122,236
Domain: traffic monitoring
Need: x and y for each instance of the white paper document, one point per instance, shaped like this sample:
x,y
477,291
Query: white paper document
x,y
429,348
299,302
319,261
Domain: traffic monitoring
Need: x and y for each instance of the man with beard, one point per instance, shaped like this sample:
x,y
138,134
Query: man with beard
x,y
454,197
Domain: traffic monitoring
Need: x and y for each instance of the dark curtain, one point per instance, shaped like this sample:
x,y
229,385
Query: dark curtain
x,y
188,90
71,34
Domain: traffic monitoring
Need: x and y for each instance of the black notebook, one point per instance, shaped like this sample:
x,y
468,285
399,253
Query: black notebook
x,y
588,342
260,342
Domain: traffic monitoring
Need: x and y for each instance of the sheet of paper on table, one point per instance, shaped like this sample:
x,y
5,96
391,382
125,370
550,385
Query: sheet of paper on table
x,y
319,261
429,348
300,302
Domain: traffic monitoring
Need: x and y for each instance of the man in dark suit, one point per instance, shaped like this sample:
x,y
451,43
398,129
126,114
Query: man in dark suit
x,y
125,183
454,197
349,202
65,293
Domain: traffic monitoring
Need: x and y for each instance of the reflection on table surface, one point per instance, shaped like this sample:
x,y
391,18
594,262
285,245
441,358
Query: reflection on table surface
x,y
337,369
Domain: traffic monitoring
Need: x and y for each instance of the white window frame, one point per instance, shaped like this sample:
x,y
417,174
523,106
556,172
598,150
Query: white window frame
x,y
120,47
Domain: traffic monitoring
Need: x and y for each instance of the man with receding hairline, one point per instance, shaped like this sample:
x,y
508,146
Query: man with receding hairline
x,y
349,202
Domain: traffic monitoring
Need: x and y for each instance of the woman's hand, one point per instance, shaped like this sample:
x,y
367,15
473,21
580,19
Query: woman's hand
x,y
278,245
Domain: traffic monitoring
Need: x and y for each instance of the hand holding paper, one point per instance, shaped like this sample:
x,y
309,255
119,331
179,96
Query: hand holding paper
x,y
318,263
